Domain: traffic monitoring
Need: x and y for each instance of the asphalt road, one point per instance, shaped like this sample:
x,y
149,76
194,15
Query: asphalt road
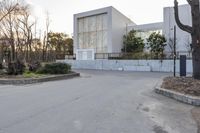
x,y
97,102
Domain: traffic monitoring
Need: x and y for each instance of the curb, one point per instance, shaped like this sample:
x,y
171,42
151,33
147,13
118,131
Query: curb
x,y
192,100
38,80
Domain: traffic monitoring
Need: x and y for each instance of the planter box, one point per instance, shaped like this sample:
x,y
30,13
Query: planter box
x,y
38,80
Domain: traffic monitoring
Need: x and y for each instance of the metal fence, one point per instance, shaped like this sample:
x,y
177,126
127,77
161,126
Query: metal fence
x,y
132,56
146,56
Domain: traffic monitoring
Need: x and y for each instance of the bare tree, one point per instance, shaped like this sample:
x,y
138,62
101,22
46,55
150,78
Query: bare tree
x,y
28,34
6,11
188,45
16,27
194,30
46,38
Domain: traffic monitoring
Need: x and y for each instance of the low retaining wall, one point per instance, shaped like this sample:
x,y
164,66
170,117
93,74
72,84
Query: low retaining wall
x,y
38,80
178,96
128,65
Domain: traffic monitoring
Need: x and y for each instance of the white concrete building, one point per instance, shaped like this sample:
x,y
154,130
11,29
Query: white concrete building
x,y
183,38
102,30
99,31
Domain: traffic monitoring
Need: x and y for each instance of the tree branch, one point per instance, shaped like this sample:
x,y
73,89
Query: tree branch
x,y
189,2
9,11
186,28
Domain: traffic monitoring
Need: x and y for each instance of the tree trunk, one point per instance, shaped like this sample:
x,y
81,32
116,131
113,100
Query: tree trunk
x,y
195,38
194,30
196,57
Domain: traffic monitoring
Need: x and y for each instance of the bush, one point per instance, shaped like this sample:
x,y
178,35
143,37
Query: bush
x,y
33,67
16,68
132,42
1,66
55,68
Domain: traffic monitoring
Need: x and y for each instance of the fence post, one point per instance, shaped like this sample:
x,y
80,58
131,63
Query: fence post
x,y
182,65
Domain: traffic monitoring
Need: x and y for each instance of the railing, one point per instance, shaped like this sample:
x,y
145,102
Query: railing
x,y
132,56
64,56
141,55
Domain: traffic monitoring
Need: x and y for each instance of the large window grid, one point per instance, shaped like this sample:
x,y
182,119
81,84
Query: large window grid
x,y
92,33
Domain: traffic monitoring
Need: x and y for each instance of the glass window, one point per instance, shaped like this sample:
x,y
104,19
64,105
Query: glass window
x,y
92,40
99,22
86,40
80,40
105,22
92,23
80,25
99,41
85,25
92,33
105,40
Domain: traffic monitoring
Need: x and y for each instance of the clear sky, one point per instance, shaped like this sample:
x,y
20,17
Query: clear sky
x,y
61,11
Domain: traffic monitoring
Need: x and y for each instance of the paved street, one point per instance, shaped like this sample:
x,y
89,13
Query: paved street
x,y
97,102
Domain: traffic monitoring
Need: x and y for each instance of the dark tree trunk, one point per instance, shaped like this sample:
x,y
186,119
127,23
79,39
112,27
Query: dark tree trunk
x,y
196,58
194,30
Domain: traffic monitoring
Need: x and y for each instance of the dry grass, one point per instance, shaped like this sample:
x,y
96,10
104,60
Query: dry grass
x,y
185,85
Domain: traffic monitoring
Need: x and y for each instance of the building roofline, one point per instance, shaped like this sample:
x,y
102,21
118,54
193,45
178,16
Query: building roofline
x,y
95,10
182,5
147,27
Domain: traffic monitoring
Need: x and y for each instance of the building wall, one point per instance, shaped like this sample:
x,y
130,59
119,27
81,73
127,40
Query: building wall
x,y
145,30
183,38
90,14
112,36
146,27
92,33
119,26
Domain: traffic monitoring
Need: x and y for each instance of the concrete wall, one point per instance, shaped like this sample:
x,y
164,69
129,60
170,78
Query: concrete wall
x,y
106,10
146,27
183,38
116,22
128,65
119,24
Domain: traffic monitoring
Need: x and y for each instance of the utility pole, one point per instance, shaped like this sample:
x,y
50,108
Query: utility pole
x,y
174,51
126,37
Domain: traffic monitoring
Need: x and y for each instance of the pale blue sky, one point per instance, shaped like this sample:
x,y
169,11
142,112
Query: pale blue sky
x,y
61,11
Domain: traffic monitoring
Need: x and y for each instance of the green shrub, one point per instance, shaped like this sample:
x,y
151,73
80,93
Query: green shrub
x,y
1,66
33,67
55,68
15,68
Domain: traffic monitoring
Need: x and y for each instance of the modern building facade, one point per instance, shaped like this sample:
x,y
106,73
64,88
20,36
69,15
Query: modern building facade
x,y
99,31
102,30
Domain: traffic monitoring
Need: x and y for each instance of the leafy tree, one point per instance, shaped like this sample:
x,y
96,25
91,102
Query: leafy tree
x,y
194,30
132,43
157,44
60,42
70,48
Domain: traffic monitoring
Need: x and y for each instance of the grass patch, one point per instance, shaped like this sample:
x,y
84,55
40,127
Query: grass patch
x,y
29,74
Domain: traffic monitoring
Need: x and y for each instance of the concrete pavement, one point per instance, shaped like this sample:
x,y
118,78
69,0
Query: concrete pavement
x,y
97,102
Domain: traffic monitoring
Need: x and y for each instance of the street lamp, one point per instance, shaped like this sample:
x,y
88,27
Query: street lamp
x,y
174,51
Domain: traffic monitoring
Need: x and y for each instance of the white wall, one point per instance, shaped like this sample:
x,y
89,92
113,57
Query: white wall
x,y
146,27
128,65
183,38
119,23
116,27
106,10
